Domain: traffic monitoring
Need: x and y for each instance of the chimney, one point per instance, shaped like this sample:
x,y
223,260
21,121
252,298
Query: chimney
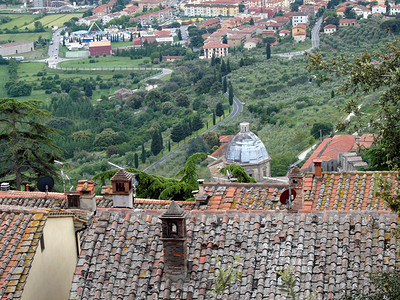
x,y
201,196
296,177
84,196
174,242
5,186
122,189
317,167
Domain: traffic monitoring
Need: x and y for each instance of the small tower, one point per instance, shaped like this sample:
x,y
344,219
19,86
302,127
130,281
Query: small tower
x,y
122,189
174,242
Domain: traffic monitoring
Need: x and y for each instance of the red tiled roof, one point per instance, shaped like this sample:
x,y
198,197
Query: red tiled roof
x,y
214,45
21,229
330,148
209,22
100,8
122,254
329,26
347,21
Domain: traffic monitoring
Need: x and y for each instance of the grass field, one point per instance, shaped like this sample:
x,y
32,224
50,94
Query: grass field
x,y
121,44
30,37
22,21
19,21
105,62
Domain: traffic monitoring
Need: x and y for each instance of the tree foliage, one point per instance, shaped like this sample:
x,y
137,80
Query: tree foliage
x,y
224,278
26,147
238,172
368,73
158,187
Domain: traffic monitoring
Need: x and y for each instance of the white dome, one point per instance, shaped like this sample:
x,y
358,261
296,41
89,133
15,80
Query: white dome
x,y
246,147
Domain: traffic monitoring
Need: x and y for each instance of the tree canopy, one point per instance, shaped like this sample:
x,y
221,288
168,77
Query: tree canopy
x,y
27,150
365,74
158,187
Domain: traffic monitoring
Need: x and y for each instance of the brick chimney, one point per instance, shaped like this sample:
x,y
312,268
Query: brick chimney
x,y
201,196
174,242
122,189
84,196
297,184
317,167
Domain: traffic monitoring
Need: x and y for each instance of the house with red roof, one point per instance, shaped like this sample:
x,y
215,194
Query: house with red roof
x,y
379,9
101,10
394,10
210,24
214,49
252,43
347,22
331,150
329,29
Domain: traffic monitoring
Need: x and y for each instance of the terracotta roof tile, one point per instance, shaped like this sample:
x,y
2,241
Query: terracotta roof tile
x,y
324,248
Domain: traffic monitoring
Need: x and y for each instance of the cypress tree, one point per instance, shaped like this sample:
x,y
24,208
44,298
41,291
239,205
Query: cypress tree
x,y
230,94
169,145
268,51
223,67
219,109
228,66
156,143
213,117
136,160
143,154
241,64
224,85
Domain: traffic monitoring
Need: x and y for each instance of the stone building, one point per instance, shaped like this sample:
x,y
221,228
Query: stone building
x,y
16,48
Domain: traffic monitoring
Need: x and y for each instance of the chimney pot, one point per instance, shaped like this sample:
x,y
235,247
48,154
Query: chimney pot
x,y
317,167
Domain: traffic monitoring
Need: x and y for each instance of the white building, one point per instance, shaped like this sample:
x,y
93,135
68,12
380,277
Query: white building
x,y
215,49
379,9
299,18
394,10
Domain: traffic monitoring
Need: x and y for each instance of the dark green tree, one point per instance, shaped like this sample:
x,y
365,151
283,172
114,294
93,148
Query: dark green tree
x,y
321,129
143,155
177,133
27,150
197,122
223,68
332,94
228,66
268,50
156,142
213,117
136,161
179,35
251,21
238,172
230,97
219,109
224,85
241,63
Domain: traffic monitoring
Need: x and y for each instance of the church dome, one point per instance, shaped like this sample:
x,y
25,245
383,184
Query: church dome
x,y
246,147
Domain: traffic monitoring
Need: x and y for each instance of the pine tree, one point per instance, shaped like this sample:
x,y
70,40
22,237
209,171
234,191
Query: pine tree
x,y
268,51
228,66
230,94
136,160
177,133
28,151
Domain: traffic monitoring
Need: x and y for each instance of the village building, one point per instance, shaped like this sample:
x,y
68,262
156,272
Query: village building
x,y
347,22
379,9
394,10
100,48
146,5
331,151
299,18
299,32
329,29
16,48
211,9
214,49
212,23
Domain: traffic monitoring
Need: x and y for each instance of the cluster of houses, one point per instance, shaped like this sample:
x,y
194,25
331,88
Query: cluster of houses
x,y
158,11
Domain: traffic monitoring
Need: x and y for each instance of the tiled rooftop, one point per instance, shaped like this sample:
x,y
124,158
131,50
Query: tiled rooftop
x,y
122,254
20,230
348,191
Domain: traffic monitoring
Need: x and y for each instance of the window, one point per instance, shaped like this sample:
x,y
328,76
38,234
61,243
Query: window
x,y
119,186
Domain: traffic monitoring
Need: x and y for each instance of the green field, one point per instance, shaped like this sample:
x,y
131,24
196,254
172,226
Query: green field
x,y
30,37
19,21
105,62
23,21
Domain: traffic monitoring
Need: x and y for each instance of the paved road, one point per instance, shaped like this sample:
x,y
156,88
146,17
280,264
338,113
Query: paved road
x,y
314,41
237,108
